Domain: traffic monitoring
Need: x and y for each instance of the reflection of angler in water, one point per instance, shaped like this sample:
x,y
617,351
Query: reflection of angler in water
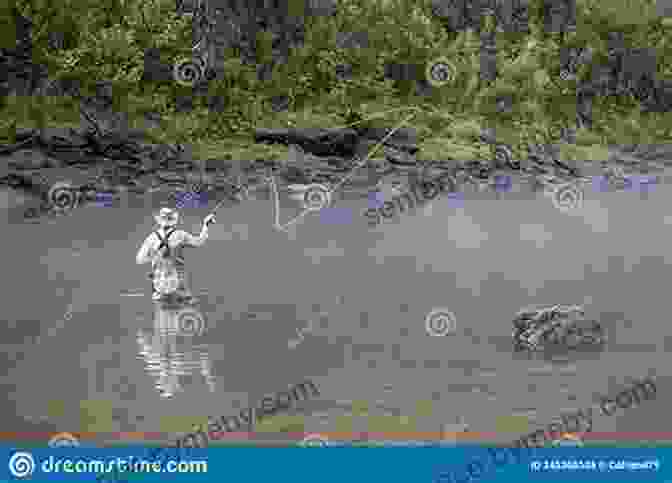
x,y
168,356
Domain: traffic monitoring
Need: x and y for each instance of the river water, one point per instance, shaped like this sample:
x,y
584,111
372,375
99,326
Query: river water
x,y
87,350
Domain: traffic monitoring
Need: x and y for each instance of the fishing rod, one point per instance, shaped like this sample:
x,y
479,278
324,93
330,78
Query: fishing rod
x,y
240,188
219,204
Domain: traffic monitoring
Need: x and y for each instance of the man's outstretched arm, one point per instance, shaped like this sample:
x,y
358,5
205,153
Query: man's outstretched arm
x,y
195,241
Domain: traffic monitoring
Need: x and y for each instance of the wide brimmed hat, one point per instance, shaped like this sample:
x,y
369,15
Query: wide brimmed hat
x,y
167,217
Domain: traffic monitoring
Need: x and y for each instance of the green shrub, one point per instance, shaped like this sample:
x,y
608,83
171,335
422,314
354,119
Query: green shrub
x,y
107,40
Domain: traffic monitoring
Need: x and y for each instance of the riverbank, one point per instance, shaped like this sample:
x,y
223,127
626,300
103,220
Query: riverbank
x,y
341,69
52,192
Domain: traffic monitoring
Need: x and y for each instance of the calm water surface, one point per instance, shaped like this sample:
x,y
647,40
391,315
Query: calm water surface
x,y
117,363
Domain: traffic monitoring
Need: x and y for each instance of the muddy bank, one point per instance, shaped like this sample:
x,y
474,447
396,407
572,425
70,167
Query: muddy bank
x,y
59,168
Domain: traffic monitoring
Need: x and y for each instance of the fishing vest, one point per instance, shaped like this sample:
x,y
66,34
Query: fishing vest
x,y
167,276
164,242
175,253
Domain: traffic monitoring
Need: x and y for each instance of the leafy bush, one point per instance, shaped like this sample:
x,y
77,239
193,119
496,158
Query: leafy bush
x,y
107,40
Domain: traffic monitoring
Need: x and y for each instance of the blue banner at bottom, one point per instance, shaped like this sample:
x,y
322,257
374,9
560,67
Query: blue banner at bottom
x,y
338,464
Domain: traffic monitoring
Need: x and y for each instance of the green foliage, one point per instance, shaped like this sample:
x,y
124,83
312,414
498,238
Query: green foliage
x,y
107,40
104,40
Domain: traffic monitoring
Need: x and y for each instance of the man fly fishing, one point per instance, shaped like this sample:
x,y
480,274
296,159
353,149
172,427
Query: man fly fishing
x,y
164,250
